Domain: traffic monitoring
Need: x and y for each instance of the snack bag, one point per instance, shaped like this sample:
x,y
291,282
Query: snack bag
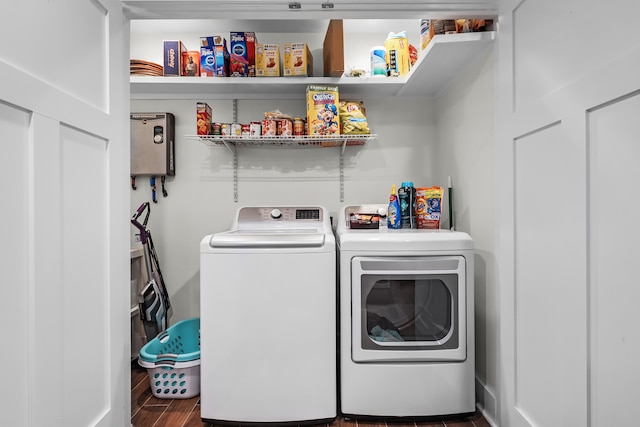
x,y
353,118
429,207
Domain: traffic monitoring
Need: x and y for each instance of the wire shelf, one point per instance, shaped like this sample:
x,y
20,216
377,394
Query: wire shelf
x,y
283,142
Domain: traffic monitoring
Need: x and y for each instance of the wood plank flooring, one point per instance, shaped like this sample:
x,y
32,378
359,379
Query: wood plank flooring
x,y
149,411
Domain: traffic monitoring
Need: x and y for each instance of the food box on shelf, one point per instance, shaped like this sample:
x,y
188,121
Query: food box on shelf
x,y
297,60
242,55
267,60
173,50
322,110
214,57
191,63
398,58
203,118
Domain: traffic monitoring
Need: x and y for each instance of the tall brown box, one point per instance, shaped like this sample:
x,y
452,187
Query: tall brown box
x,y
333,49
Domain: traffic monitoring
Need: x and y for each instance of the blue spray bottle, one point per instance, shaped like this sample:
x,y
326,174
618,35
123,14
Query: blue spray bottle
x,y
393,212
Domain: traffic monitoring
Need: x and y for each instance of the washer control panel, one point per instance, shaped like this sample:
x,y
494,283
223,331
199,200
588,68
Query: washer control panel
x,y
280,213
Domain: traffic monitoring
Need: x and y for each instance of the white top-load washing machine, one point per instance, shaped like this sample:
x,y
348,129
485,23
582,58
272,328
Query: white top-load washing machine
x,y
406,320
268,318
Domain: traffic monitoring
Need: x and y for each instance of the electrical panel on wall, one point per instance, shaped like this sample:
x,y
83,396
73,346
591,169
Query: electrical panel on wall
x,y
152,148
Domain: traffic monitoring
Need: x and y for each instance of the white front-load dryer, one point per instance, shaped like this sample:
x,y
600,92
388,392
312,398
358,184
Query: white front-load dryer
x,y
406,320
268,318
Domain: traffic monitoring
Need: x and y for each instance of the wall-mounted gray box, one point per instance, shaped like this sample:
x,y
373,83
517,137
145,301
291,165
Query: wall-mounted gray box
x,y
152,144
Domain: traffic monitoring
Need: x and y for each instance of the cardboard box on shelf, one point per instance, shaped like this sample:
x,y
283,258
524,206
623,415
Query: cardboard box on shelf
x,y
214,57
267,60
173,50
398,58
333,49
242,59
191,63
203,118
297,60
322,110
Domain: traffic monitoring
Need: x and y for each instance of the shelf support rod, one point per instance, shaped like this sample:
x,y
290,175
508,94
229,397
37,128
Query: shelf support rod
x,y
341,176
235,155
235,111
235,175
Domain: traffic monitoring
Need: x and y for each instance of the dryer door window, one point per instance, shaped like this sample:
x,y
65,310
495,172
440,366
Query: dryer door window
x,y
412,311
408,308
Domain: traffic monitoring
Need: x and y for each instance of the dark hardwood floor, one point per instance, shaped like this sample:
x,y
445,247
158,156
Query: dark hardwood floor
x,y
149,411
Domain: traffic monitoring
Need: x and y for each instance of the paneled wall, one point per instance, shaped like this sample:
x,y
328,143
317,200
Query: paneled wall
x,y
566,148
63,233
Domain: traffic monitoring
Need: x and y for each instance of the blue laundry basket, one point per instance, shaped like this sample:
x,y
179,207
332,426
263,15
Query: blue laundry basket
x,y
172,360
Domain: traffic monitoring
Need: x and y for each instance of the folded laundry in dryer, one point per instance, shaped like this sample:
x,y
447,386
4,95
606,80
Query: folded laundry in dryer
x,y
389,335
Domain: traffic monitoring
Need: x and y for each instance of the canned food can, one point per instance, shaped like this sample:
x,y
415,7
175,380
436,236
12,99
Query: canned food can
x,y
245,129
269,127
217,128
285,128
298,126
255,129
236,129
225,129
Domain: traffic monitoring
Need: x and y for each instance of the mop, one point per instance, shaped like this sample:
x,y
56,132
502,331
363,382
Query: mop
x,y
155,308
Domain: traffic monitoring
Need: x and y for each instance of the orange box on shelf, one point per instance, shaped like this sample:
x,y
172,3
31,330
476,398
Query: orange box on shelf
x,y
203,118
191,63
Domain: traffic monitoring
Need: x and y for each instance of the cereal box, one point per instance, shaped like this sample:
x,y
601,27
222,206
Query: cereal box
x,y
172,65
214,57
322,110
267,60
203,118
297,60
242,57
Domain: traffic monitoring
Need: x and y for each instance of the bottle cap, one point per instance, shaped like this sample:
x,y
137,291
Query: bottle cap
x,y
407,184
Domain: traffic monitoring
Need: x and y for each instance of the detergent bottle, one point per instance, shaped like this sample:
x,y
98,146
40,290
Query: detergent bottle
x,y
393,212
407,201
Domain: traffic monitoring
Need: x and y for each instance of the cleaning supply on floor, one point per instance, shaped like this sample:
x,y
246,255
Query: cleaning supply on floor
x,y
407,200
393,212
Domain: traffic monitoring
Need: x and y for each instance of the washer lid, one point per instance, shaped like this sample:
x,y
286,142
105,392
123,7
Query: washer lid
x,y
284,238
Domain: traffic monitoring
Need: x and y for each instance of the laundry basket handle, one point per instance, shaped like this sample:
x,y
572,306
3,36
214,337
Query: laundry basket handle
x,y
168,359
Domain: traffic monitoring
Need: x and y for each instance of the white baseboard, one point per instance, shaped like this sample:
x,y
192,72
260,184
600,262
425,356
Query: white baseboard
x,y
487,403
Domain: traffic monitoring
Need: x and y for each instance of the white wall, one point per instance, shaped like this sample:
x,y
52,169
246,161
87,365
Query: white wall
x,y
200,199
465,151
